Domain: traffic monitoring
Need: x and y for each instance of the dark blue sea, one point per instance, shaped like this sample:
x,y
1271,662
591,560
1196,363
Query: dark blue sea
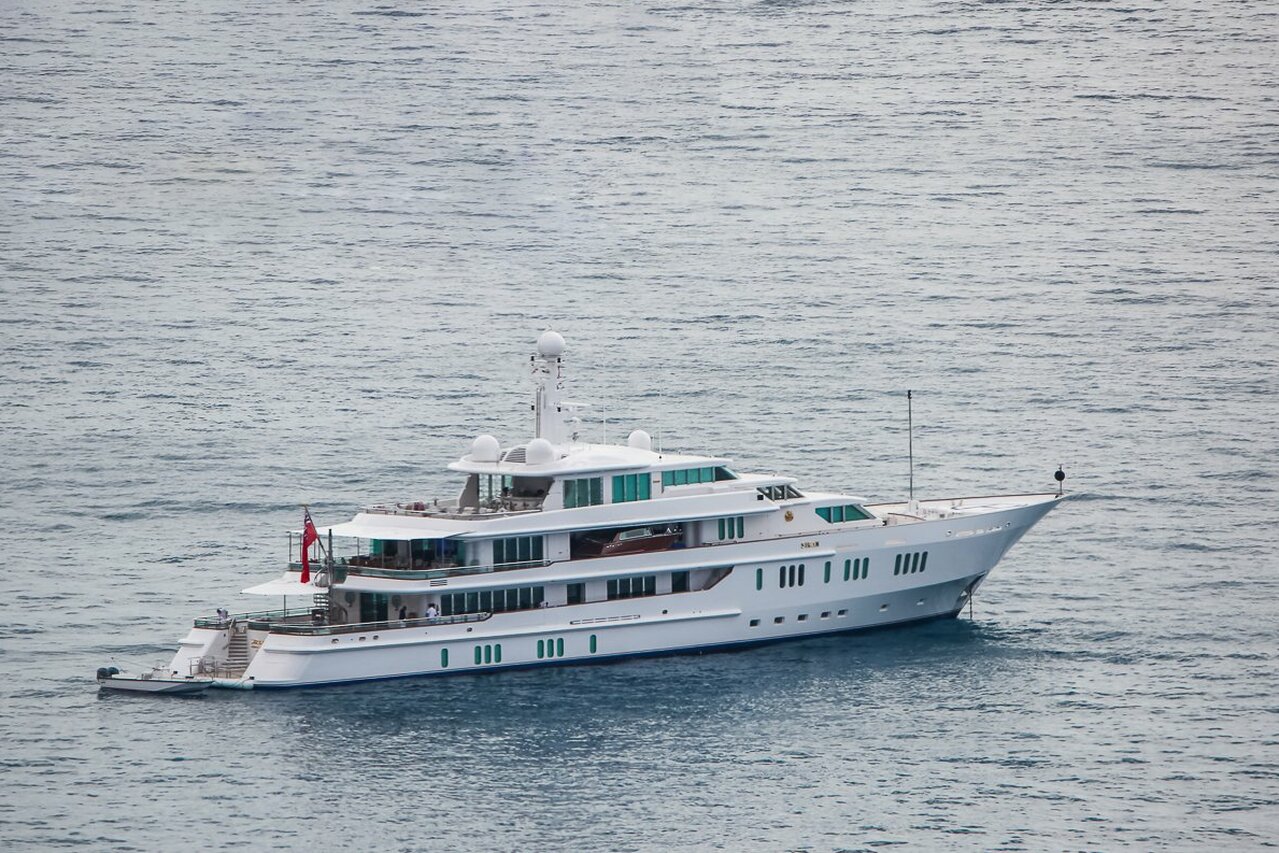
x,y
260,255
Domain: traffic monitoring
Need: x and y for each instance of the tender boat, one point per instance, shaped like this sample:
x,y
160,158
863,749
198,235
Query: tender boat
x,y
638,540
557,551
155,681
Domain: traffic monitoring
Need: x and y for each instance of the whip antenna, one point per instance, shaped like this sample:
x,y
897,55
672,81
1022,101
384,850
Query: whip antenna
x,y
910,441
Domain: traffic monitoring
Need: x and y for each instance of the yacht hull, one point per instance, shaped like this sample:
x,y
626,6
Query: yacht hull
x,y
789,588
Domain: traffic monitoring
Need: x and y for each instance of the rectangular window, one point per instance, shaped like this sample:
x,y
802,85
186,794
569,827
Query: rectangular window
x,y
732,528
754,623
631,487
777,620
679,581
576,593
803,617
837,514
585,492
632,587
518,549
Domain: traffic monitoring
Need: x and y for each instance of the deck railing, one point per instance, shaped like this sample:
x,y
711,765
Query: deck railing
x,y
361,627
257,615
424,574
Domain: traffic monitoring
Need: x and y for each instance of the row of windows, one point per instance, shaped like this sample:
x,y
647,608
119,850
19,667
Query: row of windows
x,y
856,569
908,564
585,492
732,528
779,493
788,576
632,587
550,648
631,487
518,549
847,512
488,654
690,476
803,617
492,600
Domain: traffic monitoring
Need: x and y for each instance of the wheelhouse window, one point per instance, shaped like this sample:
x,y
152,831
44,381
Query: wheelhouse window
x,y
692,476
631,487
585,492
518,549
779,493
847,512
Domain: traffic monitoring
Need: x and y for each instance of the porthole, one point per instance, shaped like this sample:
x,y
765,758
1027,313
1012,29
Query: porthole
x,y
777,620
842,613
754,623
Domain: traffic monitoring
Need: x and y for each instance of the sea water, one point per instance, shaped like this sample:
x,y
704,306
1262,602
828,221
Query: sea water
x,y
254,256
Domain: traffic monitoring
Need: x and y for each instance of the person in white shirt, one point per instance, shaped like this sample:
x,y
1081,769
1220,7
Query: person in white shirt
x,y
431,612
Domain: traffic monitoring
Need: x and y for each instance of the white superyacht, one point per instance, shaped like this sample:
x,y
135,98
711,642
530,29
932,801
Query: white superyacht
x,y
556,552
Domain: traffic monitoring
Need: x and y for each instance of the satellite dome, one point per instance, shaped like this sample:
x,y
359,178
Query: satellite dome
x,y
550,344
539,452
485,449
639,440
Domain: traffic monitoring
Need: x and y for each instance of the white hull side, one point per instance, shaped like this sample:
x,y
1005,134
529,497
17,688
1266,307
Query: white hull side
x,y
961,551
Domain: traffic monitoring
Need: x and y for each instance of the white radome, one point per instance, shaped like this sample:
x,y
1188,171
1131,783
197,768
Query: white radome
x,y
639,440
550,344
485,448
539,452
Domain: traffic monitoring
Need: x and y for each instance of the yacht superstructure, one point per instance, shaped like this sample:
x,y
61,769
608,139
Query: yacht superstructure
x,y
557,551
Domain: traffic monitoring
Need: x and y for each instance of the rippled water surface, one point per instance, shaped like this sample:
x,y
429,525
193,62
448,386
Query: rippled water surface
x,y
259,254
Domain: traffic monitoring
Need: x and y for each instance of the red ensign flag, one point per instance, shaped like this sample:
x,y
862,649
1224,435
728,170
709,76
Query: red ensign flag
x,y
309,535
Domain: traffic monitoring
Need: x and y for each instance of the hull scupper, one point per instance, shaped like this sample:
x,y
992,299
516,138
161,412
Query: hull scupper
x,y
556,551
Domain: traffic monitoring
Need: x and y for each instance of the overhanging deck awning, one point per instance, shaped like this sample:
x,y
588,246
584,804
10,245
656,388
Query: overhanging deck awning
x,y
373,526
286,584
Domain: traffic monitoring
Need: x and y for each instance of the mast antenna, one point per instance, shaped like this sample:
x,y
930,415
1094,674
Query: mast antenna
x,y
910,440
